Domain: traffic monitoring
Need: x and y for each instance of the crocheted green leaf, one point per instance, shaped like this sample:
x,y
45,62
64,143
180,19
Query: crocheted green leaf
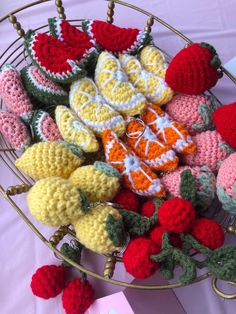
x,y
166,269
207,181
72,253
225,147
107,169
135,224
74,148
115,230
188,189
84,201
228,203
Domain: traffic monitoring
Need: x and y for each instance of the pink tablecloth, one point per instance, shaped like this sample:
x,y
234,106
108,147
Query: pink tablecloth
x,y
21,251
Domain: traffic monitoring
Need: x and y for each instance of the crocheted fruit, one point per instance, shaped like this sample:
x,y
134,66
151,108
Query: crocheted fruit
x,y
146,145
77,296
136,175
153,87
100,181
137,260
48,281
194,69
13,93
127,199
115,39
208,232
225,119
156,235
148,208
115,88
176,215
47,159
205,183
170,132
53,57
211,150
40,87
55,201
226,184
74,131
153,60
14,130
93,109
101,229
194,111
44,127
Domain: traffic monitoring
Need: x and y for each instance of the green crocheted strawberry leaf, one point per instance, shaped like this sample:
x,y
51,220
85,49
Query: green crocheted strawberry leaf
x,y
188,189
116,231
227,201
215,62
225,147
135,224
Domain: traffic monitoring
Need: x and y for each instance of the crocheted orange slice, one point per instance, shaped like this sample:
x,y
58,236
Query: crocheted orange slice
x,y
136,175
148,147
170,132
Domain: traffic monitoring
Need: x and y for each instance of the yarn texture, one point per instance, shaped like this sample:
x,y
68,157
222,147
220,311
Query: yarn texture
x,y
156,235
127,199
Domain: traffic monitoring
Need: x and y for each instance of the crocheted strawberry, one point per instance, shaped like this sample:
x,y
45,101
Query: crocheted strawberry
x,y
77,296
48,281
225,120
156,235
194,69
208,232
148,209
137,260
127,199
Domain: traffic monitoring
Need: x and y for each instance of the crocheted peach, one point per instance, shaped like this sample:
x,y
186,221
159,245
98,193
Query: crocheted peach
x,y
115,88
100,181
136,175
93,110
47,159
55,201
14,130
153,87
74,131
226,184
13,93
194,111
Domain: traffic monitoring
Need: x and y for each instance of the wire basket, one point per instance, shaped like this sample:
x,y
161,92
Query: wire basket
x,y
15,55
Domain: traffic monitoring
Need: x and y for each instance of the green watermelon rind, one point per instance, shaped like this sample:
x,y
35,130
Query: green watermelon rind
x,y
37,118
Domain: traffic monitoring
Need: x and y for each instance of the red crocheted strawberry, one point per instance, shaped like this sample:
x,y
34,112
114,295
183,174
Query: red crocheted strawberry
x,y
225,121
48,281
77,296
208,232
127,199
115,39
156,235
194,69
137,260
148,209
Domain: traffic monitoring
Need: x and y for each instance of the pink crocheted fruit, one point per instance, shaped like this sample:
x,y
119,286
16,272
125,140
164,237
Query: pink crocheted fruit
x,y
211,150
14,130
127,199
157,233
194,111
13,93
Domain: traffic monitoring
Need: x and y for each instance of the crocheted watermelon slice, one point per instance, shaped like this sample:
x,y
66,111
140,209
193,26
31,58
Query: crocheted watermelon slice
x,y
116,39
53,57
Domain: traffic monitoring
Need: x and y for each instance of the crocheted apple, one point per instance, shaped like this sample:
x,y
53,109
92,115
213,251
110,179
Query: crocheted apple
x,y
194,69
48,281
127,199
225,120
156,234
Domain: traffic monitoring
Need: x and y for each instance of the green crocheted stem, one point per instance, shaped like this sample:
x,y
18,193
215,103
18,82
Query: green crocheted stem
x,y
74,148
115,230
107,169
166,269
187,238
158,202
84,201
134,223
215,62
188,189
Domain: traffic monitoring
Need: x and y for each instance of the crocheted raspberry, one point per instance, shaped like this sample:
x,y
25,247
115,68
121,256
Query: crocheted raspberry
x,y
137,260
77,296
148,209
177,215
127,199
157,233
48,281
225,120
208,233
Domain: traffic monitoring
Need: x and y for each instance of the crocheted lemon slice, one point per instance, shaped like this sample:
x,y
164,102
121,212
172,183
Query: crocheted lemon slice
x,y
93,109
153,60
115,88
74,131
154,88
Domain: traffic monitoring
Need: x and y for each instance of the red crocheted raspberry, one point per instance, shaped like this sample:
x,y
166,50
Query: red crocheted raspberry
x,y
127,199
137,260
48,281
208,232
225,120
156,235
177,215
148,209
77,296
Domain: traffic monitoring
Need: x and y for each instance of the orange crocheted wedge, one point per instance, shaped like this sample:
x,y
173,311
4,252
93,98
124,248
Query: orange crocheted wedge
x,y
136,175
170,132
148,147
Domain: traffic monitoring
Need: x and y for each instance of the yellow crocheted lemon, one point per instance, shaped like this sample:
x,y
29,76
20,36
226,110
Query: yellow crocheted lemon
x,y
55,201
153,60
153,87
93,110
47,159
115,87
101,229
74,131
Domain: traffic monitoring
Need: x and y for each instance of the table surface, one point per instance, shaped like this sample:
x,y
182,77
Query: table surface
x,y
21,251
